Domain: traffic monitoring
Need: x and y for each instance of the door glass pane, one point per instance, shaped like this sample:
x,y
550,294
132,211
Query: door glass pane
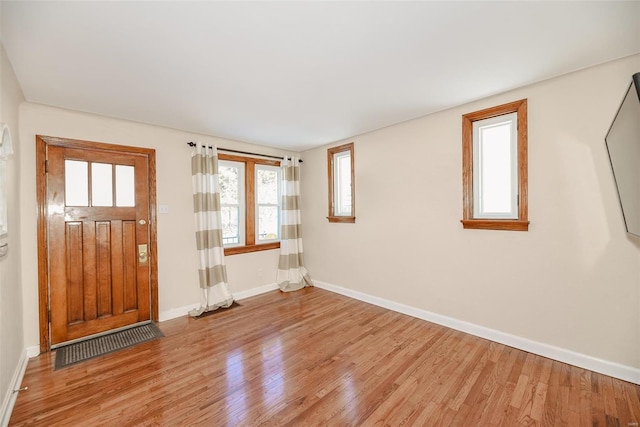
x,y
76,183
267,222
101,184
125,186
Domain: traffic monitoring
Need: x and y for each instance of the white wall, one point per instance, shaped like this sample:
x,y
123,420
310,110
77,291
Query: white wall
x,y
571,281
11,324
177,265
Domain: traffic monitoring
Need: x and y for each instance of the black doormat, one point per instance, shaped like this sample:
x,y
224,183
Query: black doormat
x,y
94,347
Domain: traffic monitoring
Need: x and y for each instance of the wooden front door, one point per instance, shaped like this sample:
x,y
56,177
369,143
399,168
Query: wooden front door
x,y
98,231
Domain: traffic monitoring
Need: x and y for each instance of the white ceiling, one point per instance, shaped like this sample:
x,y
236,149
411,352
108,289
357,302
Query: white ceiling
x,y
299,74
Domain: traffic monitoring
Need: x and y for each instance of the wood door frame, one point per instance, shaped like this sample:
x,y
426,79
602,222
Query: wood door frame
x,y
42,142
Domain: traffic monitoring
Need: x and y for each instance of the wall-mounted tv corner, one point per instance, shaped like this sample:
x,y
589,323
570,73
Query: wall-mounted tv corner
x,y
623,145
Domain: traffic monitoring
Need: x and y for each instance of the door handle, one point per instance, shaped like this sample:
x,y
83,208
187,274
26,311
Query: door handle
x,y
143,257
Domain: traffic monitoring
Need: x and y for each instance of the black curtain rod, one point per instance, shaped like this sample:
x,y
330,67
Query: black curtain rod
x,y
193,144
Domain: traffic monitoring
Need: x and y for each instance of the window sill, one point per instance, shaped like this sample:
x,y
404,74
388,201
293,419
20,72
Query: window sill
x,y
496,224
253,248
348,219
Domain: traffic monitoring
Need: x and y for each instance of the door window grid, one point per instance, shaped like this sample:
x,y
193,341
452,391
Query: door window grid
x,y
92,184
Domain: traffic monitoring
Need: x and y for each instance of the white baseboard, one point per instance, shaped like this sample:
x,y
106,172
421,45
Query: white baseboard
x,y
173,313
11,396
616,370
255,291
183,311
33,351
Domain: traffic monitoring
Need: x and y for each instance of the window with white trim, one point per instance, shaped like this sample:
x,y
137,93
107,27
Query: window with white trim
x,y
249,203
341,184
495,177
494,168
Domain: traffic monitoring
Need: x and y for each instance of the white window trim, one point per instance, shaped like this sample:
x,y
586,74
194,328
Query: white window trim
x,y
338,177
478,211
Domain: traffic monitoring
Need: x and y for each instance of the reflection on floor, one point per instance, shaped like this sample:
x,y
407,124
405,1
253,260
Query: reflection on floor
x,y
316,358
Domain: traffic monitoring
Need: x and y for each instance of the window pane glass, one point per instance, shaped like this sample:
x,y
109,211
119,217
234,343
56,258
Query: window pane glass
x,y
229,184
125,186
342,184
267,186
231,180
101,184
230,224
76,183
267,222
495,168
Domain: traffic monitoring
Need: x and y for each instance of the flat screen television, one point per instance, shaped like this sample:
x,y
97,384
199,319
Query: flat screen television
x,y
623,146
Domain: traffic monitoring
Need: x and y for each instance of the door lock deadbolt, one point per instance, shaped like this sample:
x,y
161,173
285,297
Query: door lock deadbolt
x,y
143,257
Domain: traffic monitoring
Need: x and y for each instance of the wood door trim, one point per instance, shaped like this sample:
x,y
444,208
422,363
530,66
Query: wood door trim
x,y
41,193
43,244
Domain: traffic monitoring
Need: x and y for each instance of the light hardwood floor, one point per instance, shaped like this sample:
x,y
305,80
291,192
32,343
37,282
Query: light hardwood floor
x,y
316,358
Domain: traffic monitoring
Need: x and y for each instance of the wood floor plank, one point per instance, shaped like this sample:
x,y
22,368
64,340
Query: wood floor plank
x,y
550,409
316,358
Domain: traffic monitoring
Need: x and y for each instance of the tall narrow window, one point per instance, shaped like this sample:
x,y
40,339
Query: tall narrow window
x,y
232,202
494,170
267,206
341,184
496,175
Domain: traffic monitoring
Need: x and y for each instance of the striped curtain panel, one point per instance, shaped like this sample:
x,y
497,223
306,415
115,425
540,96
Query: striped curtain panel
x,y
291,272
212,271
